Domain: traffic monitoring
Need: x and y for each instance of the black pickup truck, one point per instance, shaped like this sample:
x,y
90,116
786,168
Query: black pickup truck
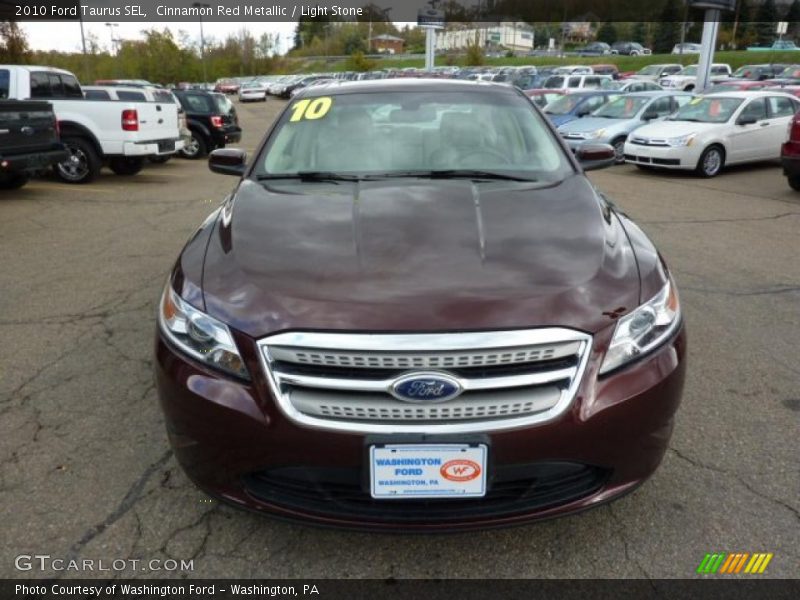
x,y
29,141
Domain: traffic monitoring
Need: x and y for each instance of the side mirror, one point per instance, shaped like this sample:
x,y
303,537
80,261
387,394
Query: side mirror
x,y
583,112
649,115
228,161
595,156
746,120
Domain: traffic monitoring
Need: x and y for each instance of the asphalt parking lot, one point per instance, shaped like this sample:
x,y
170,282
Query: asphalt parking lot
x,y
87,473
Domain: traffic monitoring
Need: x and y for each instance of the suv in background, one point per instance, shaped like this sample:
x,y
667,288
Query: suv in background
x,y
594,49
211,119
630,49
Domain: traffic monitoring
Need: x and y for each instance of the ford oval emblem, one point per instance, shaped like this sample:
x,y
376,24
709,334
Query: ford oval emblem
x,y
426,387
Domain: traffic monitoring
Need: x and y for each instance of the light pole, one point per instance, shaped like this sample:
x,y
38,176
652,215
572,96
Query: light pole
x,y
113,39
83,42
201,6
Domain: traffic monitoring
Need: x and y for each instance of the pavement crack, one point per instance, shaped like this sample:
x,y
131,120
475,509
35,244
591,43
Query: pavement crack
x,y
737,477
734,220
128,501
626,547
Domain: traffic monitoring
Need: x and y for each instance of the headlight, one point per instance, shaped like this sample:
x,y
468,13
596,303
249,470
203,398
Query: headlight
x,y
684,140
198,335
643,329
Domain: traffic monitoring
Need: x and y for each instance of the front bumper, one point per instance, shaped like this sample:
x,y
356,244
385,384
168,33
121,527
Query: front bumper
x,y
664,157
790,158
236,444
153,147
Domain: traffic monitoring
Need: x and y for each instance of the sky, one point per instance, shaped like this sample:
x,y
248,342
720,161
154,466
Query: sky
x,y
65,36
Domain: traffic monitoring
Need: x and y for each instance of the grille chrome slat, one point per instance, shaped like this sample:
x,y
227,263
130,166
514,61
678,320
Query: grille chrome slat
x,y
419,360
372,407
377,385
316,378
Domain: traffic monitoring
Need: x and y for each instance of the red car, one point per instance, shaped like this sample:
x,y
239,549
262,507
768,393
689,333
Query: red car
x,y
790,151
226,86
415,312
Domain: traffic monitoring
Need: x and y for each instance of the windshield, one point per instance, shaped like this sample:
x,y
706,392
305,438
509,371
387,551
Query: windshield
x,y
792,72
564,105
651,70
744,72
388,134
625,107
224,105
690,70
707,110
554,82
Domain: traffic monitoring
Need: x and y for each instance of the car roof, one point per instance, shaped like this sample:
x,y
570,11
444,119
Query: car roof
x,y
744,94
656,93
39,68
406,85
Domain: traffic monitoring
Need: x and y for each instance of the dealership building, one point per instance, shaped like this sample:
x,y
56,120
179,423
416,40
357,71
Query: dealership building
x,y
517,37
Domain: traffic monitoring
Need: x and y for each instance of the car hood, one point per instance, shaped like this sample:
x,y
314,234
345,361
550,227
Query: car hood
x,y
671,129
559,120
589,124
418,255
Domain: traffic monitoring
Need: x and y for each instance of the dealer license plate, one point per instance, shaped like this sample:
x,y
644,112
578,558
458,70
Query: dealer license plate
x,y
427,471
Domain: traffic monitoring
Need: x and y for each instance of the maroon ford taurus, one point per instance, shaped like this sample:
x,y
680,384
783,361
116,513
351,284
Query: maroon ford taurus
x,y
415,312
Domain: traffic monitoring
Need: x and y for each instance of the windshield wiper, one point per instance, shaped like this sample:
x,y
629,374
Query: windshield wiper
x,y
459,174
311,176
687,120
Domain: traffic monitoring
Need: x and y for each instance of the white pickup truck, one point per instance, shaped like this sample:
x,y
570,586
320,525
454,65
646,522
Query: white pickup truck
x,y
118,133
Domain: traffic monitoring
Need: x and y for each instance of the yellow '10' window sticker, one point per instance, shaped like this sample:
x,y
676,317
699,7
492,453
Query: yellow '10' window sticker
x,y
311,109
694,101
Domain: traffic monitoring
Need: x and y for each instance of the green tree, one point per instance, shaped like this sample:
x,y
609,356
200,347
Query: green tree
x,y
13,43
668,29
608,33
766,18
475,55
639,32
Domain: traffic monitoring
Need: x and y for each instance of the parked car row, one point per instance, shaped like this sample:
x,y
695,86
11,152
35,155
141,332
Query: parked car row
x,y
120,124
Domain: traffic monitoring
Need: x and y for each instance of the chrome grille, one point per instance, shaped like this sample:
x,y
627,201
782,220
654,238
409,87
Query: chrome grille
x,y
342,381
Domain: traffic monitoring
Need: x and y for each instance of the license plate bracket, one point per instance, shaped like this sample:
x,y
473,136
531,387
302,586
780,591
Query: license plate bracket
x,y
425,471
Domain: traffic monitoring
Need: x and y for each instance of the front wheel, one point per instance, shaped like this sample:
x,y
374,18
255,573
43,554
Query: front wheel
x,y
125,165
82,164
711,161
619,150
794,182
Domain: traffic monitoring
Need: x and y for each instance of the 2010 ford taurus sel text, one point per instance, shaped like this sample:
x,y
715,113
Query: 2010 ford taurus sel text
x,y
415,312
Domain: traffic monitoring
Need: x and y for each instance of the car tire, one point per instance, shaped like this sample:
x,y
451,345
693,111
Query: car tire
x,y
634,53
126,165
195,148
619,149
711,161
794,182
13,181
83,163
159,159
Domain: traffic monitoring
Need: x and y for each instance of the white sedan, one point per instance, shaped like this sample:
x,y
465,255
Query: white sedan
x,y
253,91
715,130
